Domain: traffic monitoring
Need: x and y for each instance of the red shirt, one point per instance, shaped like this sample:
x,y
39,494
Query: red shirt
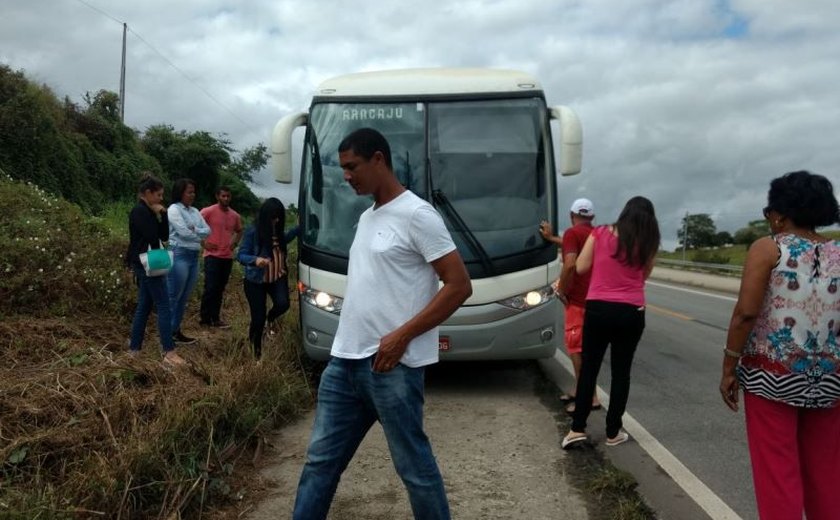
x,y
223,224
573,240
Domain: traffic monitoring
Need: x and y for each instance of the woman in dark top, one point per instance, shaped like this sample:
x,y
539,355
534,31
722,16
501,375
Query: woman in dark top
x,y
263,253
148,227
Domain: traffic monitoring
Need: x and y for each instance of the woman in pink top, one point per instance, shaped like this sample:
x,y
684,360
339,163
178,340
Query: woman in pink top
x,y
621,257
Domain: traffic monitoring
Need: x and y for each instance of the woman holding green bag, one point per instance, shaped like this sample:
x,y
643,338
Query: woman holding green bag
x,y
148,227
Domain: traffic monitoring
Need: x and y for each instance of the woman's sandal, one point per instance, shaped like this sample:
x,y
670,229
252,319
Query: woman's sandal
x,y
620,438
570,408
573,438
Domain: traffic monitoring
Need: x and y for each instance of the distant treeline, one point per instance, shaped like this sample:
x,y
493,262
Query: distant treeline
x,y
87,156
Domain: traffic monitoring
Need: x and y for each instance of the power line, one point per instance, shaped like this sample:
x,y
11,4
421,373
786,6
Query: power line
x,y
100,11
167,60
199,87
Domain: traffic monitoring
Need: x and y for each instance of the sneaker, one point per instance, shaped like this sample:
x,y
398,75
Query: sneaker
x,y
134,353
219,324
620,438
180,338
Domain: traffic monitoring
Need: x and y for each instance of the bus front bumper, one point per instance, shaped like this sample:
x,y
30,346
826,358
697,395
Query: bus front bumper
x,y
531,334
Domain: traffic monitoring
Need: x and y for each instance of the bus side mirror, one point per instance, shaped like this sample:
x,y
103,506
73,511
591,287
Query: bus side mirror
x,y
571,140
281,145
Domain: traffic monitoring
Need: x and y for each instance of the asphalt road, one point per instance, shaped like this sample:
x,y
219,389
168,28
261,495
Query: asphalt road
x,y
674,391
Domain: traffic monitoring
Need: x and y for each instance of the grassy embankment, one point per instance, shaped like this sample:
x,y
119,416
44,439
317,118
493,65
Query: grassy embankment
x,y
733,255
87,431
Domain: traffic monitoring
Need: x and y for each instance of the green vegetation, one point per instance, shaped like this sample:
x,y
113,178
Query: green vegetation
x,y
88,430
733,254
87,156
85,429
618,487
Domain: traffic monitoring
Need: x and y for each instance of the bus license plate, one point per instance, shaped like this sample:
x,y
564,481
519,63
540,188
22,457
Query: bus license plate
x,y
443,343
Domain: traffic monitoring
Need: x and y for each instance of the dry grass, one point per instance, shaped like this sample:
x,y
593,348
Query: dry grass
x,y
88,431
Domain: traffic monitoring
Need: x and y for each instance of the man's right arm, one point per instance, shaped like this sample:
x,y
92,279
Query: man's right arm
x,y
456,289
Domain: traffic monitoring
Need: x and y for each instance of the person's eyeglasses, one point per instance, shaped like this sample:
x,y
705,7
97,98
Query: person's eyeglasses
x,y
766,211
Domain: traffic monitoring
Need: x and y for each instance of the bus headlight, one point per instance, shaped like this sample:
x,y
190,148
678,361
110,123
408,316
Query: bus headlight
x,y
530,299
320,299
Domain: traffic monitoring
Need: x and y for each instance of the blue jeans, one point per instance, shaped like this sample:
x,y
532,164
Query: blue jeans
x,y
351,397
182,279
151,290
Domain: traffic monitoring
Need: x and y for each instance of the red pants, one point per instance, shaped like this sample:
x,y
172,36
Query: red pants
x,y
795,455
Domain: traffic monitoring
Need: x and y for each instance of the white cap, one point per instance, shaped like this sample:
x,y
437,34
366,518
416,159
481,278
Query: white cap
x,y
583,207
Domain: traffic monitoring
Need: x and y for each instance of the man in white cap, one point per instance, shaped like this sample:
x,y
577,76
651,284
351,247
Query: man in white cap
x,y
571,288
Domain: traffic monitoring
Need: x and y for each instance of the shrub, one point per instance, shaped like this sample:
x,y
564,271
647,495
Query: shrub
x,y
56,260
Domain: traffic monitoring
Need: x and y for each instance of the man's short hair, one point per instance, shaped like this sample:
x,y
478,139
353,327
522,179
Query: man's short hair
x,y
220,189
365,142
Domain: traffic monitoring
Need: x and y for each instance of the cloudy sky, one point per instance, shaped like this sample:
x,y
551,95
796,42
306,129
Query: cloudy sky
x,y
695,104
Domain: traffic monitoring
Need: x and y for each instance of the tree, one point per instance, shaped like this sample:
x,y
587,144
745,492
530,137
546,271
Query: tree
x,y
755,229
250,161
723,238
198,156
699,230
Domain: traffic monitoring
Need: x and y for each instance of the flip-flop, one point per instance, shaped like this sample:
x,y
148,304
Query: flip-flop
x,y
569,440
567,397
596,406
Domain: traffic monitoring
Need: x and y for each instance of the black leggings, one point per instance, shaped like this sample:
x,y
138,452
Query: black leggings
x,y
605,324
256,293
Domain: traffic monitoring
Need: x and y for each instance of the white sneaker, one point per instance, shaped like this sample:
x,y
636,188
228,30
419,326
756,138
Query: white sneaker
x,y
620,438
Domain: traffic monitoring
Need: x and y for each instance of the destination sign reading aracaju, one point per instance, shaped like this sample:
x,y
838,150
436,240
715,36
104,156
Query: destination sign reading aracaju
x,y
355,114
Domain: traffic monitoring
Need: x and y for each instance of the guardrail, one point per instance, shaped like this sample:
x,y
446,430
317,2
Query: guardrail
x,y
732,270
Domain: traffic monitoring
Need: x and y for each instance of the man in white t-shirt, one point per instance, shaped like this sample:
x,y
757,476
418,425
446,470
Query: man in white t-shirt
x,y
386,335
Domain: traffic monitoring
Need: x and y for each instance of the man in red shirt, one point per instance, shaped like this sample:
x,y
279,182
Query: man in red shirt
x,y
225,232
571,288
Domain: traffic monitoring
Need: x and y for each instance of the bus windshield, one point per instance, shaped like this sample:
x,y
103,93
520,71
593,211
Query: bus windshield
x,y
486,159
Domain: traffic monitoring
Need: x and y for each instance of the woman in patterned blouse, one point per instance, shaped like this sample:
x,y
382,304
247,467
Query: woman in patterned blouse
x,y
782,349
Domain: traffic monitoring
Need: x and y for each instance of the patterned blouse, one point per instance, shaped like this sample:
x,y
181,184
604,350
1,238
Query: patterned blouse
x,y
792,354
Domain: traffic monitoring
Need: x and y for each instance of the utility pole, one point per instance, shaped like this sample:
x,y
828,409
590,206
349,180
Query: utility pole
x,y
685,234
122,77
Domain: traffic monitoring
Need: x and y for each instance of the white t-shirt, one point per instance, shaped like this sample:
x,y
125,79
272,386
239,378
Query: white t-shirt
x,y
390,278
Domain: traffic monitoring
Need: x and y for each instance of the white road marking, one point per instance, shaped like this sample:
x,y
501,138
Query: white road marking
x,y
693,291
688,481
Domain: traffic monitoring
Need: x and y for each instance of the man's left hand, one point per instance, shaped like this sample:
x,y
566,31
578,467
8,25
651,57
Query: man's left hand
x,y
391,350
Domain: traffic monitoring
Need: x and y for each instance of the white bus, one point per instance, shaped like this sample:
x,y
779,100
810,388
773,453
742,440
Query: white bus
x,y
475,143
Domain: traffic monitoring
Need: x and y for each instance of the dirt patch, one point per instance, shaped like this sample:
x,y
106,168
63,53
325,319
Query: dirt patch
x,y
497,443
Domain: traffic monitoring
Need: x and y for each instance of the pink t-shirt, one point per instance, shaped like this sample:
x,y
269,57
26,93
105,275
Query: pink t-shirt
x,y
612,280
223,224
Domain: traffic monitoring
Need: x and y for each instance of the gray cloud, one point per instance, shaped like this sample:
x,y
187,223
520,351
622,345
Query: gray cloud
x,y
695,104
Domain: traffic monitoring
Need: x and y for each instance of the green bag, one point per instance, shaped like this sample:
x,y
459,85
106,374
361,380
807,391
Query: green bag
x,y
157,262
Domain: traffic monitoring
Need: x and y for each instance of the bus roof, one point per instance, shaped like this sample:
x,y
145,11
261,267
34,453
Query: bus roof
x,y
432,82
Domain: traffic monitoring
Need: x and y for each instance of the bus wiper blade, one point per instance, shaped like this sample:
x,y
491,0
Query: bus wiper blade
x,y
441,199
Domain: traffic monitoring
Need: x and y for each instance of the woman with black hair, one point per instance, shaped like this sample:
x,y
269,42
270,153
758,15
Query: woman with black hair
x,y
782,349
187,229
621,257
148,228
263,253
